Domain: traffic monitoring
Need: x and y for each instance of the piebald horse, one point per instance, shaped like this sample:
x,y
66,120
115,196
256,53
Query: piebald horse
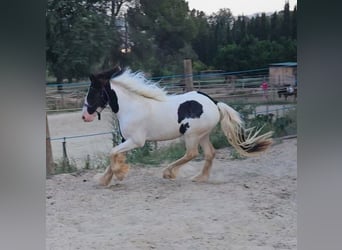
x,y
147,112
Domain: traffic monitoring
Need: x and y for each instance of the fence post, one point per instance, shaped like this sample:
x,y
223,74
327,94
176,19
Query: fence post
x,y
62,100
188,81
50,168
65,156
87,163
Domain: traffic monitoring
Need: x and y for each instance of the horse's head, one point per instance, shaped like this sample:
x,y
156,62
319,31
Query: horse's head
x,y
97,97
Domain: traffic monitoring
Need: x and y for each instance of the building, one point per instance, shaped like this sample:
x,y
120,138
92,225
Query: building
x,y
283,74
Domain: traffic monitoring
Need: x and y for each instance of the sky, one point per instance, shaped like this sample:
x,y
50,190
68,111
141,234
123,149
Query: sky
x,y
240,7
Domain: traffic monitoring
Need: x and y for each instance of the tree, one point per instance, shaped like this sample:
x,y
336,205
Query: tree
x,y
264,27
85,35
79,35
221,23
294,23
286,25
203,43
275,26
239,29
166,32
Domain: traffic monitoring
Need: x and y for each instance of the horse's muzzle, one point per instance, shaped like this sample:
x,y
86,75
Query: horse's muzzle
x,y
87,117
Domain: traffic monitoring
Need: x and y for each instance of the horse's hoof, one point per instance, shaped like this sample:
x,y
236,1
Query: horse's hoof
x,y
200,178
121,173
120,176
102,180
167,174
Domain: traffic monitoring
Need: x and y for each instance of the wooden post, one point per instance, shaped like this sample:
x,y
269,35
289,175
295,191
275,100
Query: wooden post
x,y
62,100
188,81
50,168
65,156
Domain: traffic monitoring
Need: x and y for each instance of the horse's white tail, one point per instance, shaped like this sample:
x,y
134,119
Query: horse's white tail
x,y
246,141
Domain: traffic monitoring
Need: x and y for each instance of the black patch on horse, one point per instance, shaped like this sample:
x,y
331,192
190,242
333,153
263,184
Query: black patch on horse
x,y
183,128
214,101
112,98
189,109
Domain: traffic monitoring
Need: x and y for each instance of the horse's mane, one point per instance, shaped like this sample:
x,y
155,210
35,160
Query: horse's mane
x,y
137,83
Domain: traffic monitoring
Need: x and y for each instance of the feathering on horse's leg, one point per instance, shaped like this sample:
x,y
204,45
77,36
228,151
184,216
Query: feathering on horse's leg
x,y
118,165
191,145
118,157
105,178
209,154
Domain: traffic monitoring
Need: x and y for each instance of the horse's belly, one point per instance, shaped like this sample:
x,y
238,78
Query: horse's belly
x,y
169,127
161,130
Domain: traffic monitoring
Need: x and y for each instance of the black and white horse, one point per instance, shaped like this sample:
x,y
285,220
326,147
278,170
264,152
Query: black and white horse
x,y
286,91
147,113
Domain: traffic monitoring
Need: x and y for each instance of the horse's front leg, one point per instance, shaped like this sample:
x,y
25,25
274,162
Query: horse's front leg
x,y
118,165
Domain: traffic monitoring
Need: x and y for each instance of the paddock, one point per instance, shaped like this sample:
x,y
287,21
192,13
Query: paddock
x,y
247,204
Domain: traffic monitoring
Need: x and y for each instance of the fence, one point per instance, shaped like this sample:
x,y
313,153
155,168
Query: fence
x,y
241,87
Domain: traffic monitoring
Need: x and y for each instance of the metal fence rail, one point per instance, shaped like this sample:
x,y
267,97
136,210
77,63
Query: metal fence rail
x,y
71,98
64,138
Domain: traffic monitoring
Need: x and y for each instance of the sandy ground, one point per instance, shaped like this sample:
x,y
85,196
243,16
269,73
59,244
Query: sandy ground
x,y
247,204
71,125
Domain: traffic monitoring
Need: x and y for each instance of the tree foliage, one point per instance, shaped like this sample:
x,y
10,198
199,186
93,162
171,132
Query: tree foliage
x,y
85,35
79,36
161,31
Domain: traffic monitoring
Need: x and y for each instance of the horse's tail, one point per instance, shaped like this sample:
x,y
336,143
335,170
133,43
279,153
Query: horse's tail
x,y
246,141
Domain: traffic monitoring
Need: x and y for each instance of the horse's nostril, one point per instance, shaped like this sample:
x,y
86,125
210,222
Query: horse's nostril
x,y
83,117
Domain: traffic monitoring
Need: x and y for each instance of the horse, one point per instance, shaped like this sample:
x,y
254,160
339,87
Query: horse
x,y
286,91
146,112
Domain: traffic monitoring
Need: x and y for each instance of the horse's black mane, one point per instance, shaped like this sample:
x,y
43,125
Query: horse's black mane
x,y
108,74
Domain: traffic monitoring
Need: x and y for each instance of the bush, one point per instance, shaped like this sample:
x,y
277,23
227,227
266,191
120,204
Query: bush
x,y
282,126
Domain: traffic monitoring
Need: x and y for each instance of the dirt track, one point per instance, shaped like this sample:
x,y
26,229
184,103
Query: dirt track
x,y
247,204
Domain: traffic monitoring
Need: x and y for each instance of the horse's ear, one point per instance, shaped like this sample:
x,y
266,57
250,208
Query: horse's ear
x,y
92,77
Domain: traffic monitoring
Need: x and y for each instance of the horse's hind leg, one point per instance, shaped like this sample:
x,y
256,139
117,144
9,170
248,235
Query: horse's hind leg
x,y
209,154
191,152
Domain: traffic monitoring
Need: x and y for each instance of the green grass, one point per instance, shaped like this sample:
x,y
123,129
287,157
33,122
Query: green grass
x,y
149,156
63,166
218,139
